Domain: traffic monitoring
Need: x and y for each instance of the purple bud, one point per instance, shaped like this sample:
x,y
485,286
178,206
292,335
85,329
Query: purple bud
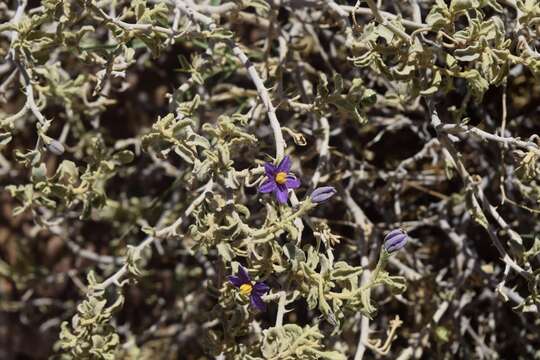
x,y
55,147
322,194
395,240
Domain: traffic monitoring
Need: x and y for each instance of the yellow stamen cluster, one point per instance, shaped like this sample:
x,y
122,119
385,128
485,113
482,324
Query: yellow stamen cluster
x,y
281,177
245,289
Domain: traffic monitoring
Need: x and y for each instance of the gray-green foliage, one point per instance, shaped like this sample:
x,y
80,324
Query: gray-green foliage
x,y
161,200
90,334
294,342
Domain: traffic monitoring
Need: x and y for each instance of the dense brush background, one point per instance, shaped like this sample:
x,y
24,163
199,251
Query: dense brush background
x,y
391,168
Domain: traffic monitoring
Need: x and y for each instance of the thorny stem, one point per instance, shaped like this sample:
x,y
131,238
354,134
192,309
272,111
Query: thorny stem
x,y
456,129
323,154
13,56
30,100
265,98
478,193
281,308
6,83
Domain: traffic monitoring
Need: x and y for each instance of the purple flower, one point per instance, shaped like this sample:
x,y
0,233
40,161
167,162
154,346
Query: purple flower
x,y
395,240
248,288
322,194
279,180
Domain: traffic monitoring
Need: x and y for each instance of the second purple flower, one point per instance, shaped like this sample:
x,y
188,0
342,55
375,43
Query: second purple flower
x,y
279,180
249,288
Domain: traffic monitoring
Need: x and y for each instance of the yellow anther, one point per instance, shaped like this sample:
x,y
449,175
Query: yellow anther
x,y
281,177
245,289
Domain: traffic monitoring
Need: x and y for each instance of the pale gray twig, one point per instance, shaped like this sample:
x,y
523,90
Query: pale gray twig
x,y
165,232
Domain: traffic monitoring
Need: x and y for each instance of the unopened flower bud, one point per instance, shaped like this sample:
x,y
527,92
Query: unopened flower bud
x,y
55,147
322,194
395,240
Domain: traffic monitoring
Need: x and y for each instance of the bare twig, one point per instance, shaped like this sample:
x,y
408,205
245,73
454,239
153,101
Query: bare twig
x,y
467,129
165,232
478,193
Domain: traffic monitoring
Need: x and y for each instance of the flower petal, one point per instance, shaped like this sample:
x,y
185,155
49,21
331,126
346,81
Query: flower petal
x,y
396,243
267,186
257,302
393,233
285,165
292,182
260,288
235,280
270,170
243,275
282,194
